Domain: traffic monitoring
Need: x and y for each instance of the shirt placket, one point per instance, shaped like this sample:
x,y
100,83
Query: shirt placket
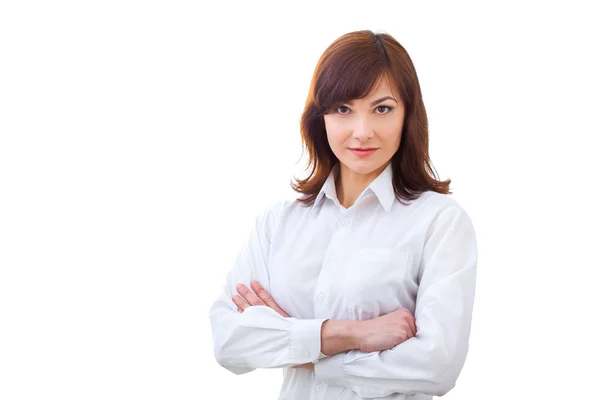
x,y
329,271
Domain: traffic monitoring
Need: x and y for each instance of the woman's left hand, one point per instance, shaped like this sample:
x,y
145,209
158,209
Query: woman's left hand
x,y
258,297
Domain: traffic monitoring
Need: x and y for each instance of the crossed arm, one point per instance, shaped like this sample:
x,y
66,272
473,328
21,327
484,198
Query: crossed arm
x,y
339,336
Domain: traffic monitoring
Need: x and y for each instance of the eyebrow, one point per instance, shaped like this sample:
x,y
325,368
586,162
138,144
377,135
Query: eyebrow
x,y
379,100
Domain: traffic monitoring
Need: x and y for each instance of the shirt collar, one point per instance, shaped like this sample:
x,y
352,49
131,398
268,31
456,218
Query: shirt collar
x,y
382,187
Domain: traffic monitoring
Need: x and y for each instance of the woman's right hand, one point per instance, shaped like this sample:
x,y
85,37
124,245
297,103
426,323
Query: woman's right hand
x,y
385,332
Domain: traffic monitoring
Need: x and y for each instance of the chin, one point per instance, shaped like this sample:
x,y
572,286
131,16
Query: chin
x,y
364,167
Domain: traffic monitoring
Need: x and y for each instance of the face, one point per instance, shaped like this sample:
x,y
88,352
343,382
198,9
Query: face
x,y
373,122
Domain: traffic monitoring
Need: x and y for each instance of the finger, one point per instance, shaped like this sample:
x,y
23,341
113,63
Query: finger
x,y
413,327
262,293
410,322
249,295
240,302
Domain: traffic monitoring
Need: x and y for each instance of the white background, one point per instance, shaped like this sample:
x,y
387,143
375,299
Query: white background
x,y
138,141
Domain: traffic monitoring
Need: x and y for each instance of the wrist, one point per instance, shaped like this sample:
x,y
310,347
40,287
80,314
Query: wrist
x,y
349,334
356,336
338,336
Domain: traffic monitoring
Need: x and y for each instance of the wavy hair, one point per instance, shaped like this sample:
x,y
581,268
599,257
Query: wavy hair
x,y
348,69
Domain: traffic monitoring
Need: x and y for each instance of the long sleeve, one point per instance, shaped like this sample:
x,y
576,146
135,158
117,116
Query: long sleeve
x,y
259,337
430,362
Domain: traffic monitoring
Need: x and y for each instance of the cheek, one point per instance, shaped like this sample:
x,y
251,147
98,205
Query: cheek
x,y
391,133
334,134
389,126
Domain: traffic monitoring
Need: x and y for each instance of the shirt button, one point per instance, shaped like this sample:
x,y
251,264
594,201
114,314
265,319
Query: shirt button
x,y
345,221
321,297
319,387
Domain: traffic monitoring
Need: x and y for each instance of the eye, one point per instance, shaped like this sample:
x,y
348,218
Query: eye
x,y
383,109
342,110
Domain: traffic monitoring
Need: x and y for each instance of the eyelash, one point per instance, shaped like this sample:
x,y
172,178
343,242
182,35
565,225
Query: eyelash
x,y
388,107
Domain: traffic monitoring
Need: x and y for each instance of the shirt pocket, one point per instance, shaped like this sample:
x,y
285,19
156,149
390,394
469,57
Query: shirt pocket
x,y
372,280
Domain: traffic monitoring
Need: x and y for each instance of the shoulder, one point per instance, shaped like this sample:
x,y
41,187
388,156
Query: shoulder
x,y
438,201
436,205
273,210
270,215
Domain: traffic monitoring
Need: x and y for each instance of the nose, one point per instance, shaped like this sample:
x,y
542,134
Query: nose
x,y
362,129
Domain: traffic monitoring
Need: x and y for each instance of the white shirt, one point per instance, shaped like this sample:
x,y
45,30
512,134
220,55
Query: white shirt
x,y
327,262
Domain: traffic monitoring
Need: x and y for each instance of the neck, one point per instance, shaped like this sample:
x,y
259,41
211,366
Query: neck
x,y
349,184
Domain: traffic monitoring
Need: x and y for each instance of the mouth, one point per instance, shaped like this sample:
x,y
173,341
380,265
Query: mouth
x,y
363,152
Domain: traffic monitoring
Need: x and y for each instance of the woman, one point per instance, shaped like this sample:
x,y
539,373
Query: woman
x,y
363,286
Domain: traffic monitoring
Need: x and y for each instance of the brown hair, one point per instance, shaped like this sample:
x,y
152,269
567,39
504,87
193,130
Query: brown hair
x,y
348,69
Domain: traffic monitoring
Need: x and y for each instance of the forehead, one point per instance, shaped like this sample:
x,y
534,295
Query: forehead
x,y
383,87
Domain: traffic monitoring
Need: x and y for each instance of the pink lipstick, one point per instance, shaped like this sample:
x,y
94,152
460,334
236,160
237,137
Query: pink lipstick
x,y
365,152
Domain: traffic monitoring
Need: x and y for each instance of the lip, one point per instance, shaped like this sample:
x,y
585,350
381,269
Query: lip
x,y
363,153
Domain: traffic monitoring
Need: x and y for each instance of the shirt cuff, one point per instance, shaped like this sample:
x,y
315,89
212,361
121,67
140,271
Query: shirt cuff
x,y
306,340
331,369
